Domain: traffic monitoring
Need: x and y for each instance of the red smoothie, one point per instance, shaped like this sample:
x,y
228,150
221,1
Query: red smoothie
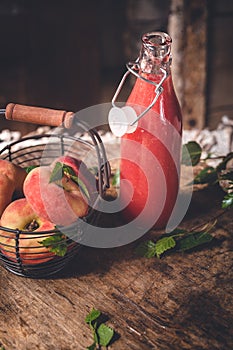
x,y
150,156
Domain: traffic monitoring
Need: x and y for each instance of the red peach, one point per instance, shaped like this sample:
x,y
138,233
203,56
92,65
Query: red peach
x,y
19,215
11,182
60,202
81,171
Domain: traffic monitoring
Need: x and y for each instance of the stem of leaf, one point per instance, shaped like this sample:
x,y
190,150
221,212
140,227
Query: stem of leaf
x,y
208,223
95,335
210,157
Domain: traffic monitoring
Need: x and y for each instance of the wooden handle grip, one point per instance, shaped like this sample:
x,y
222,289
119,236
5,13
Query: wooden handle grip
x,y
38,115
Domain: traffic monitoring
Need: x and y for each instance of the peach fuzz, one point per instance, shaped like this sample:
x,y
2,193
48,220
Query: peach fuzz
x,y
60,202
19,215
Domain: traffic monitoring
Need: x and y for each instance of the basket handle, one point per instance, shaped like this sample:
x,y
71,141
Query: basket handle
x,y
38,115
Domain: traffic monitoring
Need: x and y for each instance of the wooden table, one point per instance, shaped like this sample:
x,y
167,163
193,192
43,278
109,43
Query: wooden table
x,y
181,301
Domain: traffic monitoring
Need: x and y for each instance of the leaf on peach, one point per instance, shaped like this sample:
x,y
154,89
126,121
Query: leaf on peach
x,y
61,169
56,244
28,169
57,172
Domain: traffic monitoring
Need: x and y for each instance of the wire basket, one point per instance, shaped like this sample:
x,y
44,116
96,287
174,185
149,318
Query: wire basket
x,y
20,250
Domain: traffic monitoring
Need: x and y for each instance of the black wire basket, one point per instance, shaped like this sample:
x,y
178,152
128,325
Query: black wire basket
x,y
20,250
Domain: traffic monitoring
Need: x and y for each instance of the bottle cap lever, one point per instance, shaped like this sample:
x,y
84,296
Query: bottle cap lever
x,y
125,120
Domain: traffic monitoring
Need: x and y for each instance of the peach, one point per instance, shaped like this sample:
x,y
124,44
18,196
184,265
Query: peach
x,y
81,171
60,202
19,215
11,182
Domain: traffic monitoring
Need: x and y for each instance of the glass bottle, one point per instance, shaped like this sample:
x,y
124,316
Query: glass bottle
x,y
150,155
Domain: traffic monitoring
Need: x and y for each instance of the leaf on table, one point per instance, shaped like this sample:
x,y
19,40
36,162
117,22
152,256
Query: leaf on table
x,y
178,239
92,316
193,240
149,249
206,176
191,153
91,347
164,244
226,159
102,334
94,329
105,334
146,249
227,175
226,180
227,201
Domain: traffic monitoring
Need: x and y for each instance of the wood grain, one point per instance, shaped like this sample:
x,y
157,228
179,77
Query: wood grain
x,y
188,27
181,301
38,115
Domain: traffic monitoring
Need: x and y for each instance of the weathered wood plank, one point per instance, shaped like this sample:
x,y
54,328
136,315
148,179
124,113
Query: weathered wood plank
x,y
182,301
188,28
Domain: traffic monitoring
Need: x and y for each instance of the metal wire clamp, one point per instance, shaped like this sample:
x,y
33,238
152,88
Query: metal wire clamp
x,y
133,67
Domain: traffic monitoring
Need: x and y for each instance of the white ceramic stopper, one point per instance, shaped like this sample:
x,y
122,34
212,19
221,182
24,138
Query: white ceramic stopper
x,y
131,116
119,120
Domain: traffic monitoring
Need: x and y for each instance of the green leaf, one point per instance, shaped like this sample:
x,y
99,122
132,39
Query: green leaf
x,y
226,180
194,240
81,185
105,334
222,165
92,316
116,178
146,249
179,239
56,244
227,175
68,169
60,169
57,172
95,335
92,346
191,152
206,176
28,169
227,201
102,334
164,244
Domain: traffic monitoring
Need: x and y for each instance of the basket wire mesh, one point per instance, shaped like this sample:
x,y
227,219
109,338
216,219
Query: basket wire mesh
x,y
20,250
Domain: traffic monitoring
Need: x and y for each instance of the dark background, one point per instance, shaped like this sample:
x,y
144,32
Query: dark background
x,y
69,54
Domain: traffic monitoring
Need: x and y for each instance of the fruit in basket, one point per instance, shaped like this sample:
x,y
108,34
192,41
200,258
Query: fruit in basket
x,y
19,215
11,182
79,169
57,195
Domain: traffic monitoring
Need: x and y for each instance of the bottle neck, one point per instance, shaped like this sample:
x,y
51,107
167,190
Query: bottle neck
x,y
155,53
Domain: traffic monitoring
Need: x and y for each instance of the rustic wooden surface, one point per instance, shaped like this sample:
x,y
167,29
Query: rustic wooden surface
x,y
182,301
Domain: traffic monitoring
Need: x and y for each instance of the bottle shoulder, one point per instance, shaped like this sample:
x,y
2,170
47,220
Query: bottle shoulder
x,y
167,105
